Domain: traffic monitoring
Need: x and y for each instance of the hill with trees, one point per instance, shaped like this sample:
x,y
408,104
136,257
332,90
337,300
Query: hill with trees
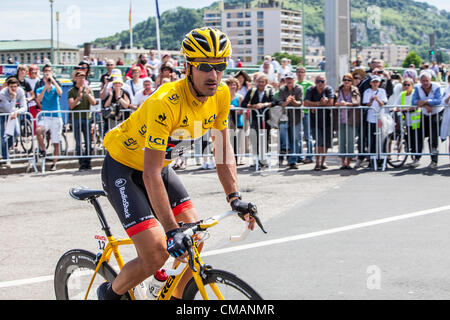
x,y
377,22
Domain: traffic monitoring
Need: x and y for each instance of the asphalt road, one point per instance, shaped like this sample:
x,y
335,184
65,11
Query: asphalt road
x,y
332,234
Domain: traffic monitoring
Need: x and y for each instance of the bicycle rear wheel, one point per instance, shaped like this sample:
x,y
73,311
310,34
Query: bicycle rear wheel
x,y
229,285
398,150
26,136
74,272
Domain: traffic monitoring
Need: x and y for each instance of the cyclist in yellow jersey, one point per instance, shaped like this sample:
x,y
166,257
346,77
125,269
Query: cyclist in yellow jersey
x,y
139,183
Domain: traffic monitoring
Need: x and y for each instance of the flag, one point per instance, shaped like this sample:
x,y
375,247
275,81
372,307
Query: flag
x,y
129,16
157,10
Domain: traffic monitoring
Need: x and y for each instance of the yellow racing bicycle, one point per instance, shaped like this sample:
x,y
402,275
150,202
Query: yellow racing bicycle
x,y
79,272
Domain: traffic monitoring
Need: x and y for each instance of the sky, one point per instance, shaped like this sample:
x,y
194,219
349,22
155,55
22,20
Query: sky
x,y
85,20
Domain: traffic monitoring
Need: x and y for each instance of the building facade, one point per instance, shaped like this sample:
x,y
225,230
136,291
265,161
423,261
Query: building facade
x,y
37,51
259,29
392,54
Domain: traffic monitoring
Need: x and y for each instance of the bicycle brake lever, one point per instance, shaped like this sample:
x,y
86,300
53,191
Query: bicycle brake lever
x,y
258,222
254,213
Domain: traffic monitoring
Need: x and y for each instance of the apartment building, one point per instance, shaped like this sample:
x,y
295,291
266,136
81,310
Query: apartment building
x,y
391,54
37,51
258,29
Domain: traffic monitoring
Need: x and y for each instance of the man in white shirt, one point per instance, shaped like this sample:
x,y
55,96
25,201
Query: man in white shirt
x,y
428,97
142,94
153,63
374,97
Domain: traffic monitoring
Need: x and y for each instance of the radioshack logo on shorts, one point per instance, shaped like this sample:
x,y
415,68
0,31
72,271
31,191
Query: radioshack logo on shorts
x,y
120,184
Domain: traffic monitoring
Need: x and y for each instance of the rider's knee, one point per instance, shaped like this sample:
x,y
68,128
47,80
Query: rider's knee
x,y
155,261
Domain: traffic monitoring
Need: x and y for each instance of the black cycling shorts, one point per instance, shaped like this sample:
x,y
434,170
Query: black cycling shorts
x,y
127,193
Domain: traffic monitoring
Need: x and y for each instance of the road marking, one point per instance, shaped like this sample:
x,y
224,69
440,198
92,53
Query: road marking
x,y
326,232
28,281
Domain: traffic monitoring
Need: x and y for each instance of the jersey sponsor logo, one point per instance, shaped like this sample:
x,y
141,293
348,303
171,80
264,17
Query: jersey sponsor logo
x,y
157,141
143,130
225,122
161,119
173,99
131,144
207,123
185,122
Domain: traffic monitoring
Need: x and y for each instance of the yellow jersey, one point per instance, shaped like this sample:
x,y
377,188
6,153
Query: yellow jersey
x,y
171,120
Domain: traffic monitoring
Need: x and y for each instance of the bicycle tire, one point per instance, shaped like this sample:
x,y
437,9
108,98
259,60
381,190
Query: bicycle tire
x,y
73,274
397,159
232,287
26,136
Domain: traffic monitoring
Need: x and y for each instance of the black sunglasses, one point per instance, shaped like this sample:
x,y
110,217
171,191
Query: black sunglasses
x,y
207,67
320,81
348,80
407,85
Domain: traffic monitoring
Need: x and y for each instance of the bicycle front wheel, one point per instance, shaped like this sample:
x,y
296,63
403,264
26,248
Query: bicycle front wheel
x,y
229,286
397,149
74,272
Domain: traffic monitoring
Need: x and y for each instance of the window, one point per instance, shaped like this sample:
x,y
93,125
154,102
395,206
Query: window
x,y
248,23
248,41
248,14
260,24
248,32
240,23
240,15
260,15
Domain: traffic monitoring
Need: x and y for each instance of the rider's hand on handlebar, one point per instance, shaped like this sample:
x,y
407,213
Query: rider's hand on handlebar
x,y
245,211
177,243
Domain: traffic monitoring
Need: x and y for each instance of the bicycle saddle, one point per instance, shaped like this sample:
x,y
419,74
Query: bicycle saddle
x,y
81,193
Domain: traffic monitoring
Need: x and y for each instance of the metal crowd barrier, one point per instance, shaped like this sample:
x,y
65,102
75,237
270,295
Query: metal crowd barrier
x,y
81,135
398,133
415,134
344,132
17,139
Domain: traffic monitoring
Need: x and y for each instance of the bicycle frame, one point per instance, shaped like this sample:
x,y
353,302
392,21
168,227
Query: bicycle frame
x,y
195,262
175,275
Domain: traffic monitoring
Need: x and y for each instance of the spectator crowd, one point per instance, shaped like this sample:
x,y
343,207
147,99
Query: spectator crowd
x,y
307,114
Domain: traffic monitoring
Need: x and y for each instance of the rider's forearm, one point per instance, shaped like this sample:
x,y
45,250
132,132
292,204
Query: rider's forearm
x,y
228,177
225,162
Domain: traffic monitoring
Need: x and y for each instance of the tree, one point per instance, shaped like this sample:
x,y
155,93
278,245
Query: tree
x,y
295,60
412,58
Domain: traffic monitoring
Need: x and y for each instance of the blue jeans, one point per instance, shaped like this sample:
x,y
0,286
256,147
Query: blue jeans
x,y
283,128
292,135
82,126
308,135
6,141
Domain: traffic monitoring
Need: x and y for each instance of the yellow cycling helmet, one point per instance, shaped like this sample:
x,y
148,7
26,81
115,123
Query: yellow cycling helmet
x,y
206,43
